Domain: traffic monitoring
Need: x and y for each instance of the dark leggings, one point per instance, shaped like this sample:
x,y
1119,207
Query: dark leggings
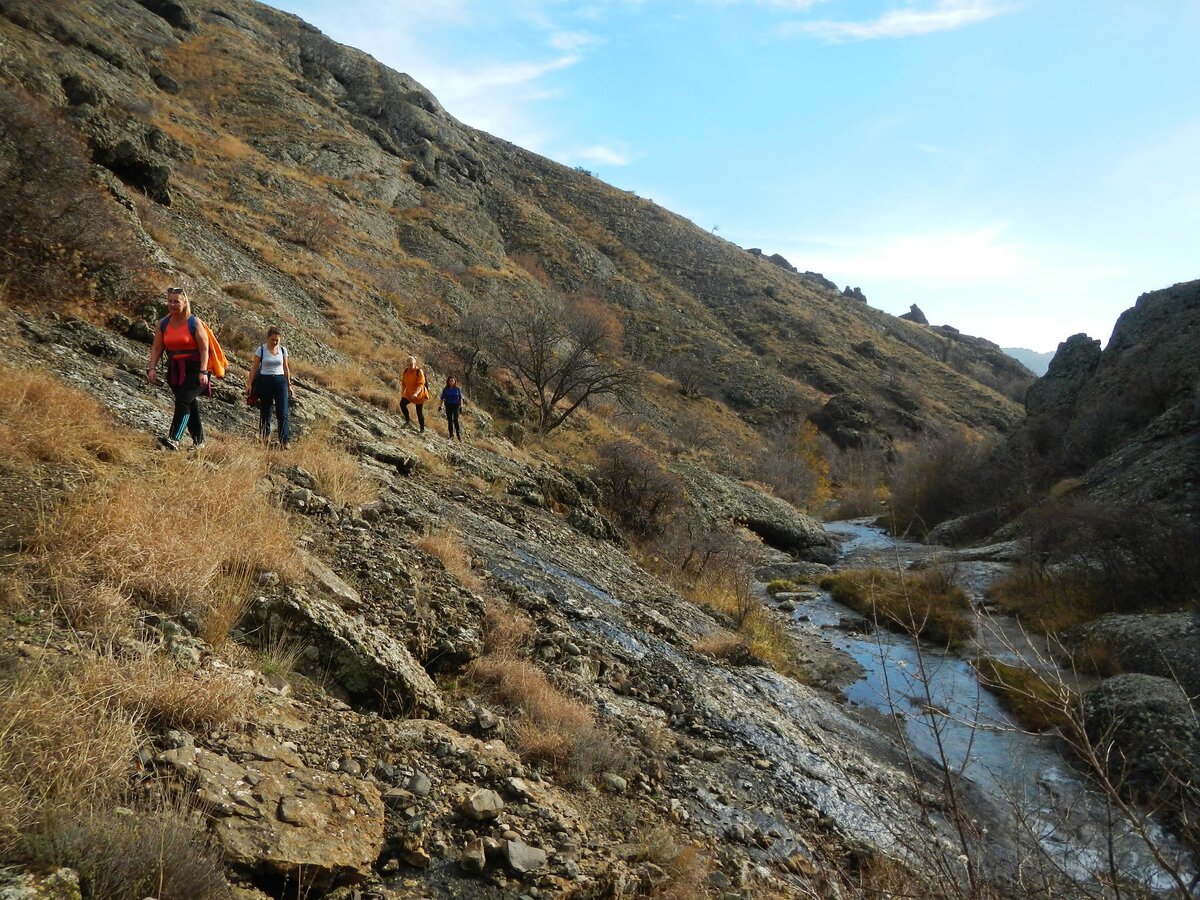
x,y
404,401
187,408
272,390
453,427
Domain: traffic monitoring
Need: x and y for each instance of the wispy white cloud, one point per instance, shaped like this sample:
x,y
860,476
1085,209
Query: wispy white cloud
x,y
977,254
907,21
572,41
602,155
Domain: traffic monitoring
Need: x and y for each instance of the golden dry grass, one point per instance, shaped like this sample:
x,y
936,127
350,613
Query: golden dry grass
x,y
722,644
1047,605
173,537
43,421
762,632
506,630
1038,703
69,734
155,693
338,474
447,546
59,749
923,604
552,727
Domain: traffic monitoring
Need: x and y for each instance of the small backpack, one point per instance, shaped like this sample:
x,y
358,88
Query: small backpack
x,y
217,363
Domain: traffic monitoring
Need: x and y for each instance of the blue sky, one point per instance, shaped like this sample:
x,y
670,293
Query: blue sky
x,y
1020,169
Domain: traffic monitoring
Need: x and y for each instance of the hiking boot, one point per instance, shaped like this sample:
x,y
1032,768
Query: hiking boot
x,y
199,446
165,443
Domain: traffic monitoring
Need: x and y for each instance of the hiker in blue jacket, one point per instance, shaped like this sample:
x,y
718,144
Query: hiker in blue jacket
x,y
452,399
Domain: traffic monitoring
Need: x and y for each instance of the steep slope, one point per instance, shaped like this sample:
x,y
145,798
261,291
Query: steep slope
x,y
294,178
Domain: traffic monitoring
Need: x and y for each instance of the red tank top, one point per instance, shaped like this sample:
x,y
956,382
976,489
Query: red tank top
x,y
178,338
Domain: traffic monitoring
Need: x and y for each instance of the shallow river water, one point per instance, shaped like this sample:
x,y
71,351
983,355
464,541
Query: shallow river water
x,y
948,716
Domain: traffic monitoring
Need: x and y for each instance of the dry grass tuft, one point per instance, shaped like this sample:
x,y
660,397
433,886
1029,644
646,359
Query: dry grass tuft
x,y
60,749
1047,605
553,728
337,473
762,632
155,693
1037,703
43,420
105,610
172,538
506,630
686,866
447,546
924,604
722,644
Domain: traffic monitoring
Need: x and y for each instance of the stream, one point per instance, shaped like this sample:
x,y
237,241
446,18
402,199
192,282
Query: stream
x,y
947,715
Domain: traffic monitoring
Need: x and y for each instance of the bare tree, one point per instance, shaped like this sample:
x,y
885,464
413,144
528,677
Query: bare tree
x,y
561,355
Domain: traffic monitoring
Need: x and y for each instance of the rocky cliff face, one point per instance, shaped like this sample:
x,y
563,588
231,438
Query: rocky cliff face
x,y
1126,420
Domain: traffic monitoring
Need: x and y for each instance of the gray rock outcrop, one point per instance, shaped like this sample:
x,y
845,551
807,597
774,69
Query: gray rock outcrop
x,y
1145,730
275,816
777,522
1057,391
366,661
1164,645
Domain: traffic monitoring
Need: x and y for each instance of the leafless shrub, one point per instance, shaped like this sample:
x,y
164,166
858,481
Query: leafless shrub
x,y
795,465
561,354
59,235
636,489
127,855
942,478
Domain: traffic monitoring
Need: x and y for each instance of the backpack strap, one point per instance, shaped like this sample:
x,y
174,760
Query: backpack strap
x,y
192,324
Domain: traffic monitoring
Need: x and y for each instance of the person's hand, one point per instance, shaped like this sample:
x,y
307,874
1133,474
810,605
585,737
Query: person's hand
x,y
152,376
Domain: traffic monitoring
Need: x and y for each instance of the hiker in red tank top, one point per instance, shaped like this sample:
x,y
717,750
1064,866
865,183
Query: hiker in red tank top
x,y
181,335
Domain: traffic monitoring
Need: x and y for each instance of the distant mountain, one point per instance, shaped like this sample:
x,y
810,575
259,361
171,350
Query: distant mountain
x,y
1035,362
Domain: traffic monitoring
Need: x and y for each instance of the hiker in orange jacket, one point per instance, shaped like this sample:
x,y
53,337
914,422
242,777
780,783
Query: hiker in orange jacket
x,y
413,390
184,339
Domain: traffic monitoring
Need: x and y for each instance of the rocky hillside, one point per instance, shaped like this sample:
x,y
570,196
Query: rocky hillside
x,y
380,664
286,177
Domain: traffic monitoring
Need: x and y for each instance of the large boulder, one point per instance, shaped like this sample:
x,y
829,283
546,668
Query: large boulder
x,y
1146,732
777,522
371,665
1166,645
278,820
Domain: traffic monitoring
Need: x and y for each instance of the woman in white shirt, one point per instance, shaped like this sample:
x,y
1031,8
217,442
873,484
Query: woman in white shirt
x,y
271,381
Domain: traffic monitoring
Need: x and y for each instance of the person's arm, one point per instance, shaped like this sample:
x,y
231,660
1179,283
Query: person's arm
x,y
253,372
202,347
287,370
156,351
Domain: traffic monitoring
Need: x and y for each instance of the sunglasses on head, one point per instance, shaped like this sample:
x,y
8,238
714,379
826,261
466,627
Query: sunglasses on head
x,y
174,290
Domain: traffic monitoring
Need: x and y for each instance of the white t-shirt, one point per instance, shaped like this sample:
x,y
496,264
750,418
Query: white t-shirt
x,y
272,363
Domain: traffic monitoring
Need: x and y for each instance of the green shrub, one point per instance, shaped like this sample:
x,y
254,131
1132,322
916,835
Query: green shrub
x,y
780,586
